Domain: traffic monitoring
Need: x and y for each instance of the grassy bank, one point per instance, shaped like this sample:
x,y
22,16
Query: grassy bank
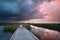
x,y
27,26
10,27
49,26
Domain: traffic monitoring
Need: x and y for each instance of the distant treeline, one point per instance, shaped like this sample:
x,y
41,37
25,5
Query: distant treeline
x,y
49,26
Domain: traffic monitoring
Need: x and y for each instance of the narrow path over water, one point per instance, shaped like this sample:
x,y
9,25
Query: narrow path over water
x,y
23,34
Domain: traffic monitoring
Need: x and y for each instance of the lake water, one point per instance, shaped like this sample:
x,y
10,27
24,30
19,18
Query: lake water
x,y
4,35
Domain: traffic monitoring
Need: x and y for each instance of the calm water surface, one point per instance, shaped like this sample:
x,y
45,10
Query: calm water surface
x,y
3,35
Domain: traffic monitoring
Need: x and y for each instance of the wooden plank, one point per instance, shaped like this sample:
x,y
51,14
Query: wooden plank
x,y
23,34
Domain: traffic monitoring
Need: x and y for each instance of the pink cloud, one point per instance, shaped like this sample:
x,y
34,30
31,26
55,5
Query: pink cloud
x,y
52,9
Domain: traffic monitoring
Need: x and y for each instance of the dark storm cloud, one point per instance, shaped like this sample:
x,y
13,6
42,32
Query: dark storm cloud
x,y
41,1
19,10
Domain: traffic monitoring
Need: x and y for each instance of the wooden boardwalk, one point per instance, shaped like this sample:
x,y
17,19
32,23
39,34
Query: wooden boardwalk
x,y
23,34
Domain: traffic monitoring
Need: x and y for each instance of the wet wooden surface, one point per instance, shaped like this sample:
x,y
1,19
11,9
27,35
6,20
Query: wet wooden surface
x,y
23,34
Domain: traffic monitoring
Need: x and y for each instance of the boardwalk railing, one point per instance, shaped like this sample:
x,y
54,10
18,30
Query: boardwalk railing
x,y
23,34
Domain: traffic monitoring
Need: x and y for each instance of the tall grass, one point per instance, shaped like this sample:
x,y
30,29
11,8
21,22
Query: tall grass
x,y
27,26
10,27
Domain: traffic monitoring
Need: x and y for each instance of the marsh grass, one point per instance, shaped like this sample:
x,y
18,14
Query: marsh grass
x,y
10,27
27,26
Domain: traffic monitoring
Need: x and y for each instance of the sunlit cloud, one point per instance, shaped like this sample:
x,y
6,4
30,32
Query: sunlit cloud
x,y
52,9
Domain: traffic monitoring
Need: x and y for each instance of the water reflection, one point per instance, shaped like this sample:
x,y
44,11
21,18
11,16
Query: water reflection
x,y
3,35
45,34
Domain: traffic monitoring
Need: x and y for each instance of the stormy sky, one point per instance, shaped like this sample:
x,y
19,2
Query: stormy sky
x,y
18,10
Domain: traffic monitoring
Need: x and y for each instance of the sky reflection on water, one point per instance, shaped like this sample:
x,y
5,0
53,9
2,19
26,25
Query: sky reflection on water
x,y
3,35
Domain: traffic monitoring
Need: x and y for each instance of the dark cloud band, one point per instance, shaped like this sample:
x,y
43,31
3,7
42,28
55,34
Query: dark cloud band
x,y
19,10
